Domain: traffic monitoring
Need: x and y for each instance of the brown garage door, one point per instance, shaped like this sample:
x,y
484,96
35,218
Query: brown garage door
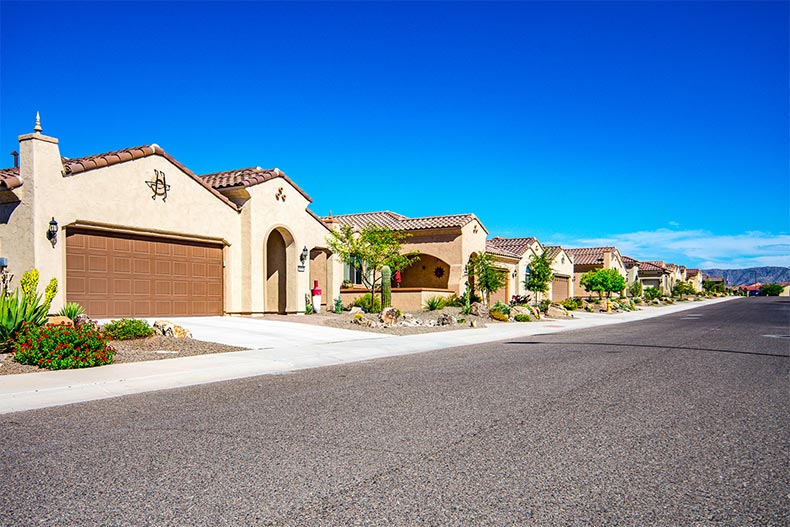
x,y
559,288
117,275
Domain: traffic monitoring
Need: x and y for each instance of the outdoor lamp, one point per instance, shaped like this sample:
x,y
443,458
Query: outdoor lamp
x,y
305,254
52,232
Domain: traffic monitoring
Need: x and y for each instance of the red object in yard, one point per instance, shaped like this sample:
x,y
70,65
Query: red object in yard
x,y
316,290
397,277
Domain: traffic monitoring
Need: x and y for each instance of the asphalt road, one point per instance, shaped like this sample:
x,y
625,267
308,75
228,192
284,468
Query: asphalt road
x,y
678,420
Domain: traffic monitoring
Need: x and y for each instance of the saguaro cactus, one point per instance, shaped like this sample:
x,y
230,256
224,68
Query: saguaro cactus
x,y
386,287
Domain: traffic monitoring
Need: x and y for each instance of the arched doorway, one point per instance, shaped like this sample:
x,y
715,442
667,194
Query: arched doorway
x,y
276,297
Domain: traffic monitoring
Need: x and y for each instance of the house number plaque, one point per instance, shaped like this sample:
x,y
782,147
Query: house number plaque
x,y
158,185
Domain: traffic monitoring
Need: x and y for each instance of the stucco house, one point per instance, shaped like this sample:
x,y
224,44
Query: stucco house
x,y
524,249
654,273
590,258
631,269
694,277
134,232
445,244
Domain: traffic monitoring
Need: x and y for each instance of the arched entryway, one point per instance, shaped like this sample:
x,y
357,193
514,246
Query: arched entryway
x,y
278,245
319,272
427,272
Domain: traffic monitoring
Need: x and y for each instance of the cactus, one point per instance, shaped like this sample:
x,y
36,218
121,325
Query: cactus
x,y
386,287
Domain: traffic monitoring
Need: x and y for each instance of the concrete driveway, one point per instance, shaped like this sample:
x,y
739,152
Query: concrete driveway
x,y
260,333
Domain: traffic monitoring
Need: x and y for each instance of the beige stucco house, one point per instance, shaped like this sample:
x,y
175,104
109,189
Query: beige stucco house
x,y
589,258
631,269
516,253
654,273
445,244
136,233
694,277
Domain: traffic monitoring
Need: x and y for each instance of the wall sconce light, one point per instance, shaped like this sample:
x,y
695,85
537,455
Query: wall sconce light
x,y
52,232
515,273
305,254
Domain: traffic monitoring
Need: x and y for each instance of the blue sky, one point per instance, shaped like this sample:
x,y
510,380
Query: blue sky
x,y
662,128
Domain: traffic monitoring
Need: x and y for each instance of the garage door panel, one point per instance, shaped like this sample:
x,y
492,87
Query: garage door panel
x,y
122,264
560,288
118,275
122,286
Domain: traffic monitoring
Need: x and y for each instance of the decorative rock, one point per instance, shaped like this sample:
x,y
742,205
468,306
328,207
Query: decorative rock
x,y
59,321
355,310
166,328
473,323
81,320
362,321
446,319
388,316
520,310
535,312
555,311
163,328
479,310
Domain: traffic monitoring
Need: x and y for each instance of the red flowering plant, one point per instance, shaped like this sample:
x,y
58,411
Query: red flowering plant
x,y
62,347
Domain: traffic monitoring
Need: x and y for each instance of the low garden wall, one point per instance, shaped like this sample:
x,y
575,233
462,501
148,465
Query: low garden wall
x,y
403,298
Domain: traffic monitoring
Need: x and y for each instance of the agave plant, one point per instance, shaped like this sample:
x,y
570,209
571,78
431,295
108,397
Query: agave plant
x,y
71,310
25,306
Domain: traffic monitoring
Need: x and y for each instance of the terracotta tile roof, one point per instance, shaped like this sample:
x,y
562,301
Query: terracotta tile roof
x,y
396,221
651,267
590,255
247,177
501,251
318,218
629,262
692,272
656,263
515,245
552,251
84,164
9,178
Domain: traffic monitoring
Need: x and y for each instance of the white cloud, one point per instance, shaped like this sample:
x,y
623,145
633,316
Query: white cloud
x,y
698,248
674,224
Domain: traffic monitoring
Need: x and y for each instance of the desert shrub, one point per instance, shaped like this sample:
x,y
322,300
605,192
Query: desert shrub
x,y
454,301
62,347
570,304
358,316
523,318
520,300
651,293
309,309
588,308
498,315
71,310
544,305
433,303
338,305
635,289
127,329
499,307
368,304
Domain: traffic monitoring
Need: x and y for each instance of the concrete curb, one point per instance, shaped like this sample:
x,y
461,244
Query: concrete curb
x,y
54,388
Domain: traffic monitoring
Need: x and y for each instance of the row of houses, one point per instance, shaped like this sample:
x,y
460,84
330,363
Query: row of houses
x,y
134,232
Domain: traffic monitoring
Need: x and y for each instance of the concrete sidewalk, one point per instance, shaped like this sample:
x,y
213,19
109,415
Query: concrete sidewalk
x,y
289,346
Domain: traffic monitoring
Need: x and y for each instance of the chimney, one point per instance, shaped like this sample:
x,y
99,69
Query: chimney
x,y
15,154
607,259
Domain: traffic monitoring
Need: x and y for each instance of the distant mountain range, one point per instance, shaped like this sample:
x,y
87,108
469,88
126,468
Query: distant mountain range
x,y
765,275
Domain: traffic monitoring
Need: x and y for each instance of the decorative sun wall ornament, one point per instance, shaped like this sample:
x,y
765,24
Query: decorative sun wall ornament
x,y
280,195
438,272
158,185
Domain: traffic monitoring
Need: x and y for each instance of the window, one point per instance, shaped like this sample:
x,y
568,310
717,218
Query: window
x,y
352,274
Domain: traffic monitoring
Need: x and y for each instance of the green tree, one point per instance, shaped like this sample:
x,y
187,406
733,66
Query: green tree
x,y
602,281
713,287
540,275
369,250
771,289
635,289
484,276
683,288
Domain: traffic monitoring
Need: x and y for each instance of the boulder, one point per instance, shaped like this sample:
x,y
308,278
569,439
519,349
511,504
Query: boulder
x,y
388,316
479,310
165,328
59,321
446,319
535,312
81,320
555,311
473,323
362,321
520,310
355,310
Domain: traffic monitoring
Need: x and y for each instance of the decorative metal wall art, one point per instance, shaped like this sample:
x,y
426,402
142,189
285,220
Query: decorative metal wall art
x,y
158,185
